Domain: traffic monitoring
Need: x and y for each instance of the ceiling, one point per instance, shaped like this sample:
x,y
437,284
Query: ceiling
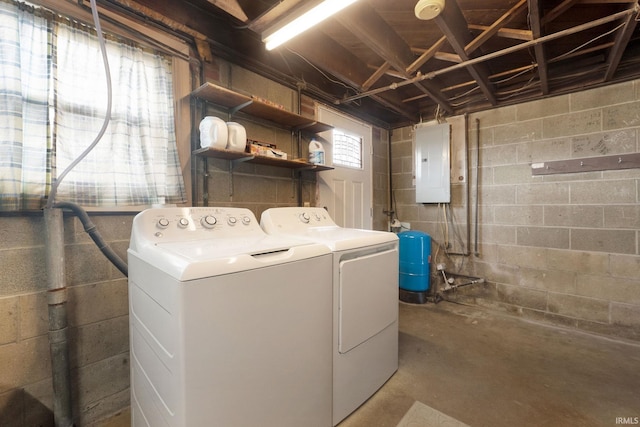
x,y
378,61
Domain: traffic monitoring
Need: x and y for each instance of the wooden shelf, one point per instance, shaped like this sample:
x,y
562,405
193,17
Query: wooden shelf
x,y
235,102
261,160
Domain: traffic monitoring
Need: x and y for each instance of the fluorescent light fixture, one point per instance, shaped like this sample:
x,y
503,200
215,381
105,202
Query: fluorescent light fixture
x,y
274,38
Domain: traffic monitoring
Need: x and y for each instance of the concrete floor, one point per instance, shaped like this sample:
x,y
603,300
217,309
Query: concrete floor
x,y
485,368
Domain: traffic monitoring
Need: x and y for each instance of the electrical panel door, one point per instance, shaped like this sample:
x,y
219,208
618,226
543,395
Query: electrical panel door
x,y
432,163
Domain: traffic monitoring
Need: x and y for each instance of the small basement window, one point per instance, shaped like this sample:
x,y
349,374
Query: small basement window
x,y
347,149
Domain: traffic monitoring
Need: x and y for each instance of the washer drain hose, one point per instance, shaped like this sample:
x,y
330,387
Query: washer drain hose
x,y
93,232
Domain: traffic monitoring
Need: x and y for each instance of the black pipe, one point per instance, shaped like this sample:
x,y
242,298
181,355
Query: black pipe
x,y
93,232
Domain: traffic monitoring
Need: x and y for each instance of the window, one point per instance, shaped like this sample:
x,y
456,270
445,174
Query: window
x,y
347,149
53,99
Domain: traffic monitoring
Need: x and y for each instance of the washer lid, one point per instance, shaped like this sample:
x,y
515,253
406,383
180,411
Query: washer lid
x,y
192,243
207,258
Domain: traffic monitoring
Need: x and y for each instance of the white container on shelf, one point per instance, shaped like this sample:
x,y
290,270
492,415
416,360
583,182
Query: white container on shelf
x,y
316,152
237,140
213,133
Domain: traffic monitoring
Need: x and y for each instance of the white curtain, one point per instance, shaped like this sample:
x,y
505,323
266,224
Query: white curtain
x,y
136,161
25,139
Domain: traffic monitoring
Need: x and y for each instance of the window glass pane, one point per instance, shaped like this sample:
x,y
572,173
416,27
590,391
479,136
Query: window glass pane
x,y
347,149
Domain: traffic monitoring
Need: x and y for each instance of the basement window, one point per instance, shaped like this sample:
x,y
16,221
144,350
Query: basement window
x,y
53,104
347,149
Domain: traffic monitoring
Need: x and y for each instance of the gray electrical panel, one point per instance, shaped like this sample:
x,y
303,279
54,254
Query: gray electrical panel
x,y
432,163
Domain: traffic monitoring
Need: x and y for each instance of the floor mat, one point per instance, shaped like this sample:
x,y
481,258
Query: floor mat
x,y
421,415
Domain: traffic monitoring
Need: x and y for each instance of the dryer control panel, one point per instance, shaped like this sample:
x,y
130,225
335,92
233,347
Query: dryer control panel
x,y
295,218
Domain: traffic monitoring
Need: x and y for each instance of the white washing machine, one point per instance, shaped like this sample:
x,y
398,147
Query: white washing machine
x,y
229,326
365,300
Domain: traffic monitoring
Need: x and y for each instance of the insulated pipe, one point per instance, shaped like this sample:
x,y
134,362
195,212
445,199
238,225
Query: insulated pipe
x,y
57,304
95,235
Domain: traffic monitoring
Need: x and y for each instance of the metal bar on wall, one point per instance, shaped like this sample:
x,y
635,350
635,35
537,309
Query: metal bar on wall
x,y
587,164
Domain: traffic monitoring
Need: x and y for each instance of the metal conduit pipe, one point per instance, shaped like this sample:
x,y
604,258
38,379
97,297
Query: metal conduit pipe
x,y
57,306
467,190
477,184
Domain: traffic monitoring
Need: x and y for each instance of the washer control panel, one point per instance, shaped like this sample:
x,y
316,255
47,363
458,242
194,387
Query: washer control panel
x,y
169,224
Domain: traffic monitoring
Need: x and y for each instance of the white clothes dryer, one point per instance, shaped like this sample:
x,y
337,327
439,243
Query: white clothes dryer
x,y
365,300
229,326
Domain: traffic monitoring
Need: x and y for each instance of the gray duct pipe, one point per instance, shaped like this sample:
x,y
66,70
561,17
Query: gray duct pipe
x,y
57,303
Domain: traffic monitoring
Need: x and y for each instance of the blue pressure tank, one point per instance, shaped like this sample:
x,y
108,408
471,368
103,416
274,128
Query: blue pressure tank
x,y
415,254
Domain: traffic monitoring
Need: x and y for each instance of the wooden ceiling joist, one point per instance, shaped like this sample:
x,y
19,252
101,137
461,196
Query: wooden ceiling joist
x,y
454,26
557,11
338,61
495,27
622,39
369,27
232,7
426,55
376,76
535,17
507,33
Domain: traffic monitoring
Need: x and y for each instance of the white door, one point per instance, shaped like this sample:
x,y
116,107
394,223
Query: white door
x,y
346,191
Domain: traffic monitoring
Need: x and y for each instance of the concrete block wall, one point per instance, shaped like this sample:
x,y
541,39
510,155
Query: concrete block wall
x,y
97,316
560,248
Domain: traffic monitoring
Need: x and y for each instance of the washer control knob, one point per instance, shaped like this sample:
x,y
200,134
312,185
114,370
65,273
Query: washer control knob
x,y
232,220
317,217
208,221
183,223
304,217
246,220
163,223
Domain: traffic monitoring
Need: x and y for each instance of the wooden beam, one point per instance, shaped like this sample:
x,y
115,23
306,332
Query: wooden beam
x,y
557,11
493,28
539,49
268,18
375,76
507,33
449,57
326,54
426,55
232,7
452,23
365,23
622,39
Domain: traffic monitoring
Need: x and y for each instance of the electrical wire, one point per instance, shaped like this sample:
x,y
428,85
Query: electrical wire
x,y
530,85
338,82
590,41
107,118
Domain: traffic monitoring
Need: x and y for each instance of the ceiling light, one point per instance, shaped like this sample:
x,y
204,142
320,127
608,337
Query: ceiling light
x,y
428,9
282,32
